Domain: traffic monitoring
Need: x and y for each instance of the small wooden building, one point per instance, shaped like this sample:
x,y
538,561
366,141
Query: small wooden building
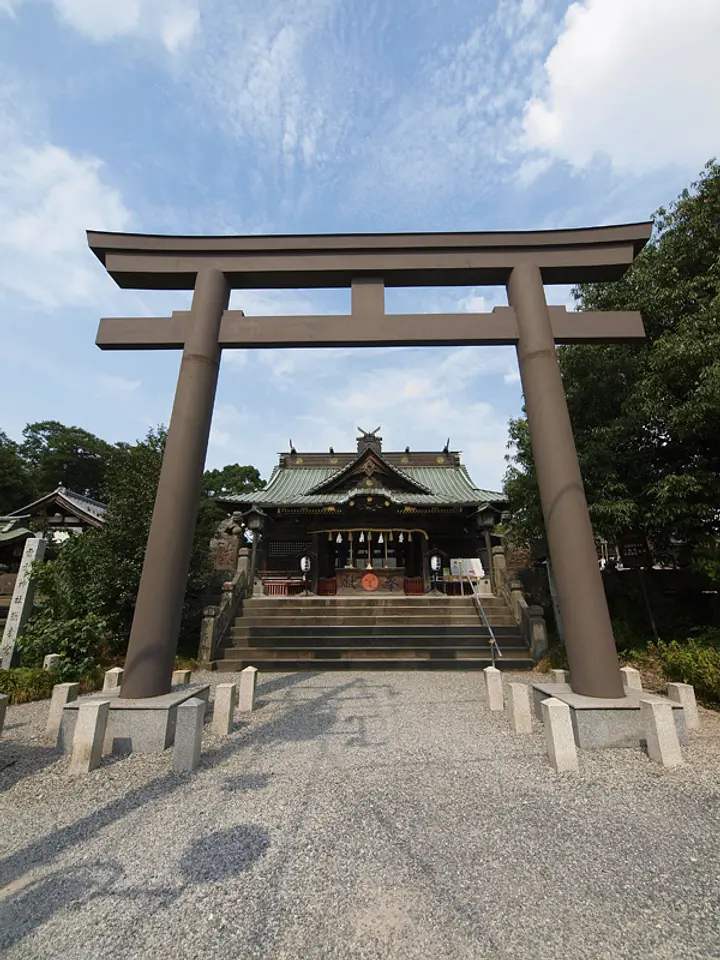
x,y
369,520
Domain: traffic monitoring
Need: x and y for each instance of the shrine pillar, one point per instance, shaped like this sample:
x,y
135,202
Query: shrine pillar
x,y
158,610
592,656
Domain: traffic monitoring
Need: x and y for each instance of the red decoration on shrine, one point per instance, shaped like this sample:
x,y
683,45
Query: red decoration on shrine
x,y
370,582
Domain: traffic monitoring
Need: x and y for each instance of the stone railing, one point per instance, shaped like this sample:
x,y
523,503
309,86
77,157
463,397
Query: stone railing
x,y
217,620
529,618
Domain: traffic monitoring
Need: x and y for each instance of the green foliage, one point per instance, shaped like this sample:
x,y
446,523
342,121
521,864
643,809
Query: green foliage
x,y
56,454
24,685
87,593
231,480
696,661
16,485
646,418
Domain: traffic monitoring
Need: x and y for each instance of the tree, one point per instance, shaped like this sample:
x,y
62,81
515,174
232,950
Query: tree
x,y
56,454
646,418
232,480
90,588
16,485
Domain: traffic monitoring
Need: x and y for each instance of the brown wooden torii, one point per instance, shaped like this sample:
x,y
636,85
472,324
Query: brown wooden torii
x,y
367,263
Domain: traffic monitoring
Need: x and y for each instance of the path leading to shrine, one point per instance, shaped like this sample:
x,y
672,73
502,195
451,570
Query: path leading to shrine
x,y
360,815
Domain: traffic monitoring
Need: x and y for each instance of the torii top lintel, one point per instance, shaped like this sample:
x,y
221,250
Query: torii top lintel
x,y
584,255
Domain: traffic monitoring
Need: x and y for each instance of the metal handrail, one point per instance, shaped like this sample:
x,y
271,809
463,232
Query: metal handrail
x,y
494,646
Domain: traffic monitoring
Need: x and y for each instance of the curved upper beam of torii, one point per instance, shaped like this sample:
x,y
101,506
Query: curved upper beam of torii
x,y
367,263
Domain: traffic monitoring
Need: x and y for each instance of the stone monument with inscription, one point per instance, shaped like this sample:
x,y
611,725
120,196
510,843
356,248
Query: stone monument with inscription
x,y
22,601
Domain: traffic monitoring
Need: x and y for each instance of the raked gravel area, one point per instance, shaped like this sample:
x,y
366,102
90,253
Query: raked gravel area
x,y
360,815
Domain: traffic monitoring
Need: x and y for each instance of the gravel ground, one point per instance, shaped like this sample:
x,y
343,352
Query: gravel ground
x,y
360,815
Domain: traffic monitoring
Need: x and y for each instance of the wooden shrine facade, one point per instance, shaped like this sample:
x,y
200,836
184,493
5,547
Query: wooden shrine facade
x,y
369,520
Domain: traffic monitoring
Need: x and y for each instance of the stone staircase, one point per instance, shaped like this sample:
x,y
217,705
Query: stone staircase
x,y
281,633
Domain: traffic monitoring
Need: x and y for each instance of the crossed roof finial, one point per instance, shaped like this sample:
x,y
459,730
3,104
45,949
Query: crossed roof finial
x,y
369,434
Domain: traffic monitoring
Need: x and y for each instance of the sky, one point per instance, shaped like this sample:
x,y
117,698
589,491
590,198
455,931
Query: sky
x,y
321,116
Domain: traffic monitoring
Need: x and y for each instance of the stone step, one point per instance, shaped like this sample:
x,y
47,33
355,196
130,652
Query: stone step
x,y
369,601
387,620
512,641
445,658
349,633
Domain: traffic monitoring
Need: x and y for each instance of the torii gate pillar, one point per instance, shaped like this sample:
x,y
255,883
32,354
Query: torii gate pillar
x,y
592,656
159,606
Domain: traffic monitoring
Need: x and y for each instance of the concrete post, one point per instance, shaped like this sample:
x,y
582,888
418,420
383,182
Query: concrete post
x,y
62,693
663,744
560,676
248,678
51,661
592,656
188,735
631,678
493,688
89,736
559,737
224,709
156,623
181,678
684,693
518,705
113,678
4,701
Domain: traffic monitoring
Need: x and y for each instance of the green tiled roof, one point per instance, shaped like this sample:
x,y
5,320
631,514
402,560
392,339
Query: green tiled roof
x,y
448,485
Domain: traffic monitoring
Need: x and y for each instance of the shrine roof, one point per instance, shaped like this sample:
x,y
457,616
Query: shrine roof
x,y
447,484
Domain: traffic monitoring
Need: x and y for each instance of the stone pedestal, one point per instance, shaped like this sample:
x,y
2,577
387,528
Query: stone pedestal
x,y
557,727
135,726
188,735
598,723
62,694
493,688
88,736
113,678
684,694
518,707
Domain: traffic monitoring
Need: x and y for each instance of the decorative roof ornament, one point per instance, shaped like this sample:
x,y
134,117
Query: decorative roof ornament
x,y
369,440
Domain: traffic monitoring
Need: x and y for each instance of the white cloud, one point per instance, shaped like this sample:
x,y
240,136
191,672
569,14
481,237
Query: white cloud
x,y
634,80
48,198
173,22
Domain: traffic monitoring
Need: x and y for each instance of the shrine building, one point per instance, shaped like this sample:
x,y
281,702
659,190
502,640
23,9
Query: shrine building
x,y
370,521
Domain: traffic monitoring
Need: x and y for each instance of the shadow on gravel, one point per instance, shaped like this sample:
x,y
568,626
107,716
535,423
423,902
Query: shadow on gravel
x,y
18,760
38,902
264,687
312,717
246,781
223,855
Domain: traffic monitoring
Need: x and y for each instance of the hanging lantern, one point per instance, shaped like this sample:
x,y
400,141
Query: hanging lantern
x,y
390,536
380,538
338,538
329,535
362,538
401,538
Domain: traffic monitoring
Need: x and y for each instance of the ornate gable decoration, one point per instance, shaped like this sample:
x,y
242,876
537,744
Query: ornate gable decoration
x,y
369,468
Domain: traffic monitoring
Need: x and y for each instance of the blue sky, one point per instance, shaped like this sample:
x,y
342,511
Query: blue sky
x,y
294,116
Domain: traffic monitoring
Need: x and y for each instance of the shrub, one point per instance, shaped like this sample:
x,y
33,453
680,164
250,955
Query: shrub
x,y
76,641
696,661
24,684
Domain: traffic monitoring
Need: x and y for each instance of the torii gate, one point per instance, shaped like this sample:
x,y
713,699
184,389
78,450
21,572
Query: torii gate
x,y
367,263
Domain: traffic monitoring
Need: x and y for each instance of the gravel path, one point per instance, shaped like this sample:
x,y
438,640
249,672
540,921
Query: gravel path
x,y
360,815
